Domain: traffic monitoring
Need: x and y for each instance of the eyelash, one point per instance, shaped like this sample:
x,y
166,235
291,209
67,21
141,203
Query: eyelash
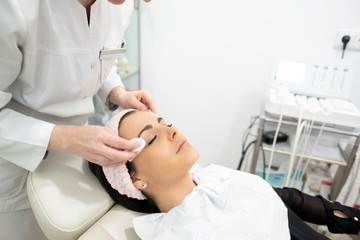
x,y
153,139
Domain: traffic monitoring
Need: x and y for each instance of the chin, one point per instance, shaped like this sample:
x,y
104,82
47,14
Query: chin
x,y
193,156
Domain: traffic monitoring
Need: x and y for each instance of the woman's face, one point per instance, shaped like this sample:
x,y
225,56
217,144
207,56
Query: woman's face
x,y
167,154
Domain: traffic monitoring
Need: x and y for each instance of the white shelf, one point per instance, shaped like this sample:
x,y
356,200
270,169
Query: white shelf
x,y
334,155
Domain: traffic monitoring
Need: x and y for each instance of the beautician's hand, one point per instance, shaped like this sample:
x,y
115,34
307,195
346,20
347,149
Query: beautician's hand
x,y
92,143
140,100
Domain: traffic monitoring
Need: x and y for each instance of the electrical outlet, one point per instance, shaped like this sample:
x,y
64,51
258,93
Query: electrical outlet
x,y
354,42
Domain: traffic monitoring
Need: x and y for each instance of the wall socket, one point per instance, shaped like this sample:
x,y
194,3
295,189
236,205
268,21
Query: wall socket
x,y
354,42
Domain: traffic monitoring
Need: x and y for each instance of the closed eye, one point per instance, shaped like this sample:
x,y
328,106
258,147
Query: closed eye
x,y
152,140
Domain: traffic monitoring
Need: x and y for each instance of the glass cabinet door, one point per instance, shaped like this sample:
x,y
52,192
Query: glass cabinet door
x,y
128,66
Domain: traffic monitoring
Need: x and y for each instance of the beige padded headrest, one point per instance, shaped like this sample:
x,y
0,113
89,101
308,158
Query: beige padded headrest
x,y
66,197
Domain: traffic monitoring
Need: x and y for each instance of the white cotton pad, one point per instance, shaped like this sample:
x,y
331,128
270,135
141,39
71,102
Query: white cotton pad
x,y
152,113
139,141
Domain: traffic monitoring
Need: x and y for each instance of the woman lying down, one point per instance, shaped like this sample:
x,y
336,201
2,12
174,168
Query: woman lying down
x,y
214,203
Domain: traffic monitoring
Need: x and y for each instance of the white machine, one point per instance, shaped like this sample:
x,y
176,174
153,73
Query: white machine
x,y
316,92
311,92
280,101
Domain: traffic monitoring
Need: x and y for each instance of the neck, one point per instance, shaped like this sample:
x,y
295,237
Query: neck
x,y
169,197
87,4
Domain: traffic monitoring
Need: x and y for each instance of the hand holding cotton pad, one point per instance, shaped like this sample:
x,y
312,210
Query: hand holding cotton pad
x,y
139,141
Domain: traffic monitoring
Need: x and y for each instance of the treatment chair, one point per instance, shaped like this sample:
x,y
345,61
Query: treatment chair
x,y
69,202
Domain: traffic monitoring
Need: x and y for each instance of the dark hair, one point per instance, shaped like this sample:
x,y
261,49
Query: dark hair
x,y
125,116
145,206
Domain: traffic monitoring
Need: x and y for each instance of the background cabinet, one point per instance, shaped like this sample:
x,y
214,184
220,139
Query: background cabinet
x,y
131,76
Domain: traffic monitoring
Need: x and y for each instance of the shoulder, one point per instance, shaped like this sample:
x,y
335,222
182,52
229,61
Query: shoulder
x,y
13,24
223,172
223,176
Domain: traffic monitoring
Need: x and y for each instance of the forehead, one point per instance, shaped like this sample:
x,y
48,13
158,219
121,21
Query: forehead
x,y
131,125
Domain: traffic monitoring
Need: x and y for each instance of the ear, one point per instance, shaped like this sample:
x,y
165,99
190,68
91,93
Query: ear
x,y
138,183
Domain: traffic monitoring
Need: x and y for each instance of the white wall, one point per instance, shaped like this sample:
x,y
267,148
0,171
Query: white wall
x,y
207,63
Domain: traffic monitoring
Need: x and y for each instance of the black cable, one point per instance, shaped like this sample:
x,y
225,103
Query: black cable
x,y
243,154
345,40
248,131
243,148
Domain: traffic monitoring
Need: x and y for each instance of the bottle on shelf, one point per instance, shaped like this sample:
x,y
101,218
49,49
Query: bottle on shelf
x,y
357,201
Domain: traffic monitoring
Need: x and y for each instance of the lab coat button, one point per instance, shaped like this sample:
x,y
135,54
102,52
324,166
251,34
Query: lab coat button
x,y
84,97
92,66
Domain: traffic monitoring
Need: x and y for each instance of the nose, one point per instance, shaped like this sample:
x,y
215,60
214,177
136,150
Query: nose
x,y
172,132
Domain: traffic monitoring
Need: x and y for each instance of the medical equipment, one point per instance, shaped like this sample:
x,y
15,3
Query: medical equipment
x,y
280,101
269,136
245,136
316,78
311,95
326,87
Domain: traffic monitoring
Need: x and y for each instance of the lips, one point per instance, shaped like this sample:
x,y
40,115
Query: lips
x,y
181,146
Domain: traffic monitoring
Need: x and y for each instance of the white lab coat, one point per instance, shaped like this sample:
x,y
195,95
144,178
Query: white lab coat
x,y
225,204
49,71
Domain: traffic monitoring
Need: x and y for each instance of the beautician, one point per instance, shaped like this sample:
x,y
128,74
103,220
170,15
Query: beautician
x,y
54,57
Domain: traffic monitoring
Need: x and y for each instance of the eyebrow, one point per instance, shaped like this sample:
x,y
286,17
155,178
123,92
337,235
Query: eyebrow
x,y
144,129
149,126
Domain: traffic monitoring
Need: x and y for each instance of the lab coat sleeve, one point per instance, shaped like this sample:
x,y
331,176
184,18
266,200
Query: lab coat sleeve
x,y
113,80
23,139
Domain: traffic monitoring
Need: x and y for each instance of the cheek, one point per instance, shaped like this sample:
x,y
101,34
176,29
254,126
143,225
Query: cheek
x,y
152,161
159,167
160,158
159,163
